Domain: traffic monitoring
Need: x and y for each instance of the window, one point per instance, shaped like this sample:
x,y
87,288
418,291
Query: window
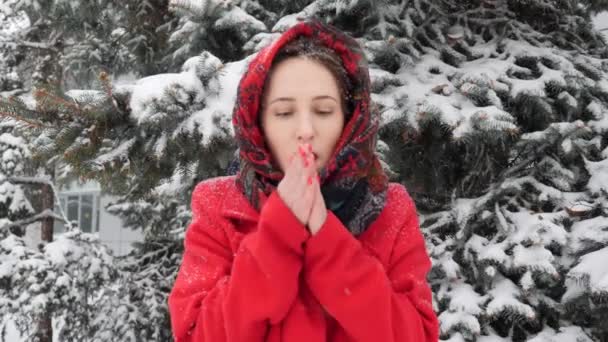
x,y
81,208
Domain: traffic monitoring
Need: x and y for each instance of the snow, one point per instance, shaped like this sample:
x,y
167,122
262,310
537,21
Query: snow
x,y
114,153
592,268
464,309
593,230
216,118
415,95
201,9
599,175
17,23
600,113
13,335
465,299
237,15
535,258
495,253
568,99
600,21
450,321
540,228
504,296
151,88
58,251
288,21
566,334
494,338
11,140
211,82
19,201
449,266
526,281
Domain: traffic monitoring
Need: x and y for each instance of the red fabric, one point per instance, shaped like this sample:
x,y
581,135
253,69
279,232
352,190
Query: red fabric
x,y
262,277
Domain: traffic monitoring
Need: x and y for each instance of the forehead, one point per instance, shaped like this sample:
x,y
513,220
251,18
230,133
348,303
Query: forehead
x,y
301,77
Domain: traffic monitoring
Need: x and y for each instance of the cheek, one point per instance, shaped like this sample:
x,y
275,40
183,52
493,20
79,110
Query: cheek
x,y
336,129
331,134
278,143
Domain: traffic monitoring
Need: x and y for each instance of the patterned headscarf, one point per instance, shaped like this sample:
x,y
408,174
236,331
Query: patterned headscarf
x,y
353,182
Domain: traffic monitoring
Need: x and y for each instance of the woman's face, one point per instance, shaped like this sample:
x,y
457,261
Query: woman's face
x,y
302,105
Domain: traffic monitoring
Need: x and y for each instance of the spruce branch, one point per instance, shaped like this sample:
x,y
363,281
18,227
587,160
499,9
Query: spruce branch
x,y
19,118
42,94
48,213
12,109
32,45
43,181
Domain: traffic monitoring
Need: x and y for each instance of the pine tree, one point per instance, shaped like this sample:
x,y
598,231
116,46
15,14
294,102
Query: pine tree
x,y
494,117
14,205
64,279
71,42
68,277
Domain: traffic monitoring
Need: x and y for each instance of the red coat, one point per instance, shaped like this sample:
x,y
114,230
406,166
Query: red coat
x,y
262,277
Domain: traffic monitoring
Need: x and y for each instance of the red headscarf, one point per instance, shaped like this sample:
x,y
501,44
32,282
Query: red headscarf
x,y
352,182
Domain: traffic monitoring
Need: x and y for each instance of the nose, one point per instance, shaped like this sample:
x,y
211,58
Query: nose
x,y
306,129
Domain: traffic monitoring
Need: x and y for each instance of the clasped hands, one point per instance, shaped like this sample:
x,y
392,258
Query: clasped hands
x,y
301,191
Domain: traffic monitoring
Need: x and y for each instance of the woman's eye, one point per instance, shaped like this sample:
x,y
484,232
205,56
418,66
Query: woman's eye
x,y
283,114
324,112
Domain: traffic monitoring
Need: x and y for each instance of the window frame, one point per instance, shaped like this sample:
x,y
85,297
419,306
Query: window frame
x,y
96,199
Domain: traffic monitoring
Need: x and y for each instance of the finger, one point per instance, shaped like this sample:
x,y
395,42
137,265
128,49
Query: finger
x,y
310,199
290,170
319,195
300,175
310,160
303,179
307,161
310,171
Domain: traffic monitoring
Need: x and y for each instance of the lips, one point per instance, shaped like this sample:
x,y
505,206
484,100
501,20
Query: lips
x,y
314,154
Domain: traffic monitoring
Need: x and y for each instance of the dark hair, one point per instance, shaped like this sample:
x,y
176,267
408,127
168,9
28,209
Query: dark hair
x,y
316,51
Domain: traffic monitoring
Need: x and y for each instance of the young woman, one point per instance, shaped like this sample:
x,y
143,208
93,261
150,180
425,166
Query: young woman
x,y
309,241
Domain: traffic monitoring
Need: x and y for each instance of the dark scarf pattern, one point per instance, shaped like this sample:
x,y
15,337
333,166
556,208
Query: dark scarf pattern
x,y
353,182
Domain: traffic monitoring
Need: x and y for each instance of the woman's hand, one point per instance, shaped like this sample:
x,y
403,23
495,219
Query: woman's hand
x,y
297,188
319,211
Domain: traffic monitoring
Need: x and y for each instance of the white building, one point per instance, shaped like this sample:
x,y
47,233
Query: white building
x,y
84,203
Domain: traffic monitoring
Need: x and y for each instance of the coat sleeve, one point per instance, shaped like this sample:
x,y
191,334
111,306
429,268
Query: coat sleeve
x,y
218,296
369,302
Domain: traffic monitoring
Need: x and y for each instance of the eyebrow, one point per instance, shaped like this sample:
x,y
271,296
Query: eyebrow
x,y
291,99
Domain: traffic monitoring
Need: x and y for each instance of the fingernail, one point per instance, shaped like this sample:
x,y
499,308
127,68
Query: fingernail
x,y
305,162
309,148
309,180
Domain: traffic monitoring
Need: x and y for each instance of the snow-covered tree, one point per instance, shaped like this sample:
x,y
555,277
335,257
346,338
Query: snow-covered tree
x,y
14,205
9,58
220,27
494,117
69,43
40,281
70,278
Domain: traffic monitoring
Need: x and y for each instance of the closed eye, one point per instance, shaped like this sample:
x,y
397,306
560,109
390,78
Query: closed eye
x,y
283,114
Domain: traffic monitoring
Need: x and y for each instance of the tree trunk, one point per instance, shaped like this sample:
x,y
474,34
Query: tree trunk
x,y
45,326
